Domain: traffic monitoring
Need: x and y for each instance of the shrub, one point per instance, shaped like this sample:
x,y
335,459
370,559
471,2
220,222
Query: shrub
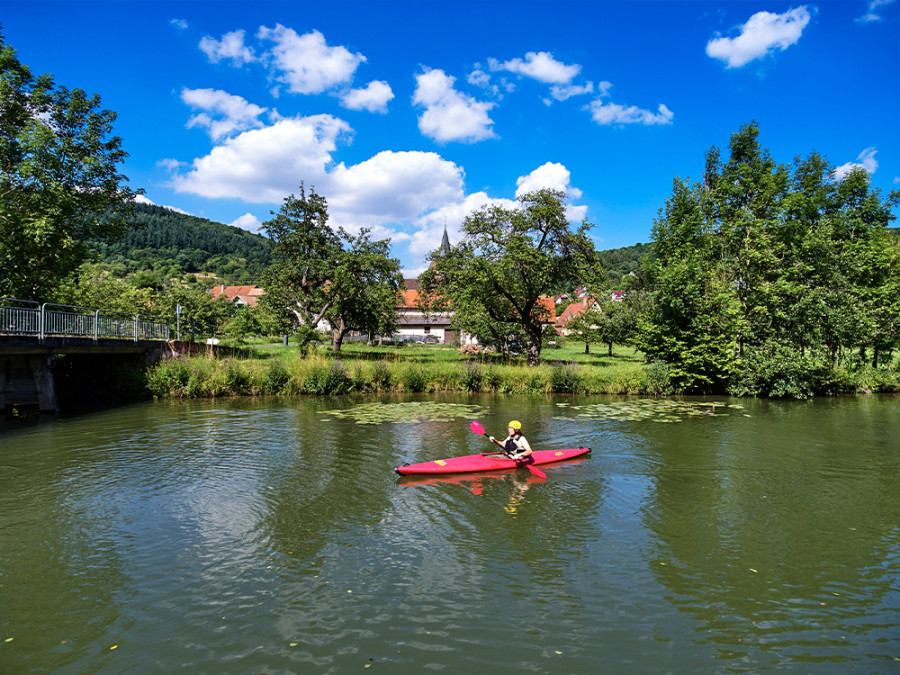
x,y
471,377
659,379
415,379
381,375
565,379
275,378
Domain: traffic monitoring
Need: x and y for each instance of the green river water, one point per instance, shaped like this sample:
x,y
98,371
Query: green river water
x,y
274,537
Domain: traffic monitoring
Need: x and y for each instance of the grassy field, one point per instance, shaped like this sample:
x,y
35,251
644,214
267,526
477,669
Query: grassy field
x,y
273,369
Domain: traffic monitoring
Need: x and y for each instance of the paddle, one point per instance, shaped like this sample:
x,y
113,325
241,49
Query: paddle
x,y
478,429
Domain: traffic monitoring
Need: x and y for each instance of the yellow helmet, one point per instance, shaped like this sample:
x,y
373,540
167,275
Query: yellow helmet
x,y
515,424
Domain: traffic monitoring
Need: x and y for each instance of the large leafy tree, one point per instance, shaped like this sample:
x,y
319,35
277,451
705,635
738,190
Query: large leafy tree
x,y
58,176
764,274
508,260
319,274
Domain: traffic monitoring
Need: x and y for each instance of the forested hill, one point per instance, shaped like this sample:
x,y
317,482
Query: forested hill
x,y
620,262
173,244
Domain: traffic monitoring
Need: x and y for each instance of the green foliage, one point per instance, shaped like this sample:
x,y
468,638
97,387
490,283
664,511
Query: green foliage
x,y
471,375
763,262
510,259
165,242
318,274
565,378
58,174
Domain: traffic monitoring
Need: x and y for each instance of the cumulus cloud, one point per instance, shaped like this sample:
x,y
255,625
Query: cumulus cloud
x,y
306,63
613,113
392,187
866,160
180,24
231,47
540,66
762,34
223,113
561,92
449,114
247,222
373,97
874,11
264,165
553,176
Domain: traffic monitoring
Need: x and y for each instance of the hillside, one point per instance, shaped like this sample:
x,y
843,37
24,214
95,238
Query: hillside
x,y
620,262
171,244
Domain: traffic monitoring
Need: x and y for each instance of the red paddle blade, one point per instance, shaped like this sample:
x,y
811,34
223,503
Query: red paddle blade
x,y
536,471
477,428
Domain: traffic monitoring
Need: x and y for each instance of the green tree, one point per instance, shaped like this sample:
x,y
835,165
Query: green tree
x,y
304,251
314,278
365,288
508,260
58,177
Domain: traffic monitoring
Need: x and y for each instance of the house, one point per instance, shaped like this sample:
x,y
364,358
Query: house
x,y
573,311
414,325
561,298
617,296
241,296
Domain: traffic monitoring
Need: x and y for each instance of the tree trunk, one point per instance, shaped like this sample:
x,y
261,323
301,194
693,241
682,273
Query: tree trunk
x,y
587,347
534,344
610,348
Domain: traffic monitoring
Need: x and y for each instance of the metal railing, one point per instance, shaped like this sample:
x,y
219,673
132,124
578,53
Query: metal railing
x,y
26,317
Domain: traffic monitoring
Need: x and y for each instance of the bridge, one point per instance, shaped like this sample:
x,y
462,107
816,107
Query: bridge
x,y
34,336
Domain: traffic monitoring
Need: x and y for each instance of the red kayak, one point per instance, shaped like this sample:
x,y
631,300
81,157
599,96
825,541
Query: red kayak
x,y
486,462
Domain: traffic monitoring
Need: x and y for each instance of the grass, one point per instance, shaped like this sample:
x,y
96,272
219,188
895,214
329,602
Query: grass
x,y
267,369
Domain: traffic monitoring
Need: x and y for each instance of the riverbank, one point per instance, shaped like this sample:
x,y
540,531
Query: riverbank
x,y
426,368
278,370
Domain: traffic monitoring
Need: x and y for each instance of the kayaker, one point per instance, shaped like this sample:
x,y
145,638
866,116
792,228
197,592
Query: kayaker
x,y
515,445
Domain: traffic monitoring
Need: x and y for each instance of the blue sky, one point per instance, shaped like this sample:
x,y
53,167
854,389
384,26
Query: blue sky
x,y
407,116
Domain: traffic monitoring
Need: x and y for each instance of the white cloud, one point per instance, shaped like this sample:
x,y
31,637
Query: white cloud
x,y
247,222
391,187
230,47
873,14
223,113
866,161
180,24
141,199
553,176
540,66
613,113
306,63
263,165
373,98
450,115
762,34
561,92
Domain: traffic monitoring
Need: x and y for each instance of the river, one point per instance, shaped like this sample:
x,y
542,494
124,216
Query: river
x,y
273,536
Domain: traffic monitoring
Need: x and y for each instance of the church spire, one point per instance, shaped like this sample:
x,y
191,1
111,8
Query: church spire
x,y
445,241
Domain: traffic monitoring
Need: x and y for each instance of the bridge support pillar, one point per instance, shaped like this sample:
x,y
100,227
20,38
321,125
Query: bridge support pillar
x,y
26,380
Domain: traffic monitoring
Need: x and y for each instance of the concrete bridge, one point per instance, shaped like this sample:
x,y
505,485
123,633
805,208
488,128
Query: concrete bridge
x,y
48,348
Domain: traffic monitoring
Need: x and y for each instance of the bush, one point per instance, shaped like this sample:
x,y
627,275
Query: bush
x,y
415,379
381,375
778,371
323,380
275,378
565,379
659,379
471,377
